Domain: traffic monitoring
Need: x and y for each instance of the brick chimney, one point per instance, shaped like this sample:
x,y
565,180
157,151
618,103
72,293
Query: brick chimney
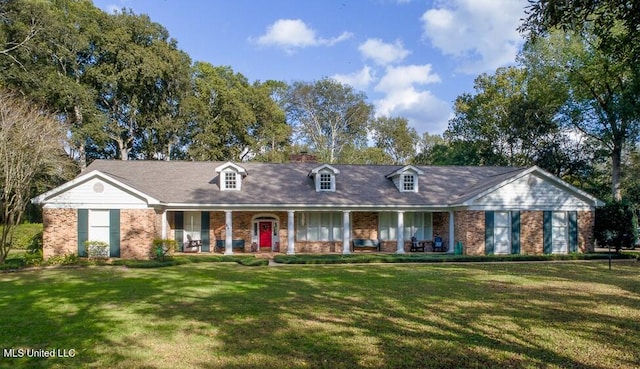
x,y
303,157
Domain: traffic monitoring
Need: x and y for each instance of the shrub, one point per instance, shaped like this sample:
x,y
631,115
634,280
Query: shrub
x,y
66,259
162,248
616,225
97,249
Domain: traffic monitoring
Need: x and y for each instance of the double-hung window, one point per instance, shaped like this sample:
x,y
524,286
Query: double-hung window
x,y
418,225
319,226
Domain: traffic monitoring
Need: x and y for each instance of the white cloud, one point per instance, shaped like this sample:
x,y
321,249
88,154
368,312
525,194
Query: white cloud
x,y
359,80
383,53
481,34
294,33
402,96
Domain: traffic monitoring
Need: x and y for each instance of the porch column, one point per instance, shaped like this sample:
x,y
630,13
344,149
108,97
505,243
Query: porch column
x,y
228,239
452,236
291,250
400,231
346,232
164,222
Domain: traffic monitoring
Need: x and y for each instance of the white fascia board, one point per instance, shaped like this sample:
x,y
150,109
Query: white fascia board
x,y
302,207
406,168
42,199
317,169
235,167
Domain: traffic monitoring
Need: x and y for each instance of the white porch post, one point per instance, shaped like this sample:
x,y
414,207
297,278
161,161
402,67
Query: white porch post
x,y
291,250
451,232
400,233
164,224
228,240
346,232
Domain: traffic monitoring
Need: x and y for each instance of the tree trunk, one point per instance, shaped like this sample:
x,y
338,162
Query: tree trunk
x,y
82,151
616,160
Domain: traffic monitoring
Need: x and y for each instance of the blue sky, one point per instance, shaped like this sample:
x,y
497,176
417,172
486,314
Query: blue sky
x,y
411,58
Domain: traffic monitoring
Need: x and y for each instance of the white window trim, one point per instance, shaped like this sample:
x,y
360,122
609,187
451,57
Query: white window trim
x,y
223,181
402,182
332,187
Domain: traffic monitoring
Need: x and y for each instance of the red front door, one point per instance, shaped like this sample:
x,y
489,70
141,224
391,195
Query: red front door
x,y
265,233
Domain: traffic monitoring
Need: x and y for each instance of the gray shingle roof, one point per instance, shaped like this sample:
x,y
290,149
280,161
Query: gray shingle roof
x,y
182,182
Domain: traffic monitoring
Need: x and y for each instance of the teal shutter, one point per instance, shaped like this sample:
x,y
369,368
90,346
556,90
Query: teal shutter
x,y
547,247
573,231
204,231
515,232
179,224
114,233
83,230
488,233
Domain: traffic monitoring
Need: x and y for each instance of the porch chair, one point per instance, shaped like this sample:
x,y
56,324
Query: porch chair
x,y
415,245
438,244
191,245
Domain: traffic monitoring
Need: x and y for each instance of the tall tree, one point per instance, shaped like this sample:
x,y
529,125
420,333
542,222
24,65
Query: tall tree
x,y
231,119
138,76
31,144
602,100
328,116
395,137
509,119
52,65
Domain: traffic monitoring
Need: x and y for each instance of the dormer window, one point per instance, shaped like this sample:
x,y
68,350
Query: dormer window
x,y
230,176
406,178
324,178
230,181
326,181
408,183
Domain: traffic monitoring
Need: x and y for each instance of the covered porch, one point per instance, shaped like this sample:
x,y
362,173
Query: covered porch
x,y
308,231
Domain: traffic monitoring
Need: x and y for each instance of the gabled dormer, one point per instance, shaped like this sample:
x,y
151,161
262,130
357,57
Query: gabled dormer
x,y
324,178
406,178
230,176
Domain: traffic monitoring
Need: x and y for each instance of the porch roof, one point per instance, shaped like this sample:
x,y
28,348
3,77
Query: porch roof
x,y
186,182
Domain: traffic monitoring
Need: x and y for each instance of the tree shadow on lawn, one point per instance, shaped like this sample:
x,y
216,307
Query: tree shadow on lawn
x,y
212,315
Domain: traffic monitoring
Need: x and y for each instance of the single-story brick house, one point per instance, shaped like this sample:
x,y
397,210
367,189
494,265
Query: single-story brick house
x,y
306,207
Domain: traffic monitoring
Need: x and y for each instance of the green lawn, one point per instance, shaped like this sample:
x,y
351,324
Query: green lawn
x,y
225,315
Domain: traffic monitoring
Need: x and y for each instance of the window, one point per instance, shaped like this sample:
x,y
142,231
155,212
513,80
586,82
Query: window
x,y
559,232
99,225
408,183
230,176
230,181
320,226
326,182
192,225
387,224
418,225
502,232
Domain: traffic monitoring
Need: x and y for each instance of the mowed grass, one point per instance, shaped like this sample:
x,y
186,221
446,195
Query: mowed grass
x,y
212,315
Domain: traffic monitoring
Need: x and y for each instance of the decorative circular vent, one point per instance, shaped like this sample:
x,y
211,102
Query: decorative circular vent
x,y
98,187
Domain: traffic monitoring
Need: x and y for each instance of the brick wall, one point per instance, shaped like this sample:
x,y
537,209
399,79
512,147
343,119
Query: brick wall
x,y
586,221
364,225
138,229
531,234
469,229
60,232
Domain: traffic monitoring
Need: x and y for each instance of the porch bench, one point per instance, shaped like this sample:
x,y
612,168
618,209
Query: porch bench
x,y
236,245
362,243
